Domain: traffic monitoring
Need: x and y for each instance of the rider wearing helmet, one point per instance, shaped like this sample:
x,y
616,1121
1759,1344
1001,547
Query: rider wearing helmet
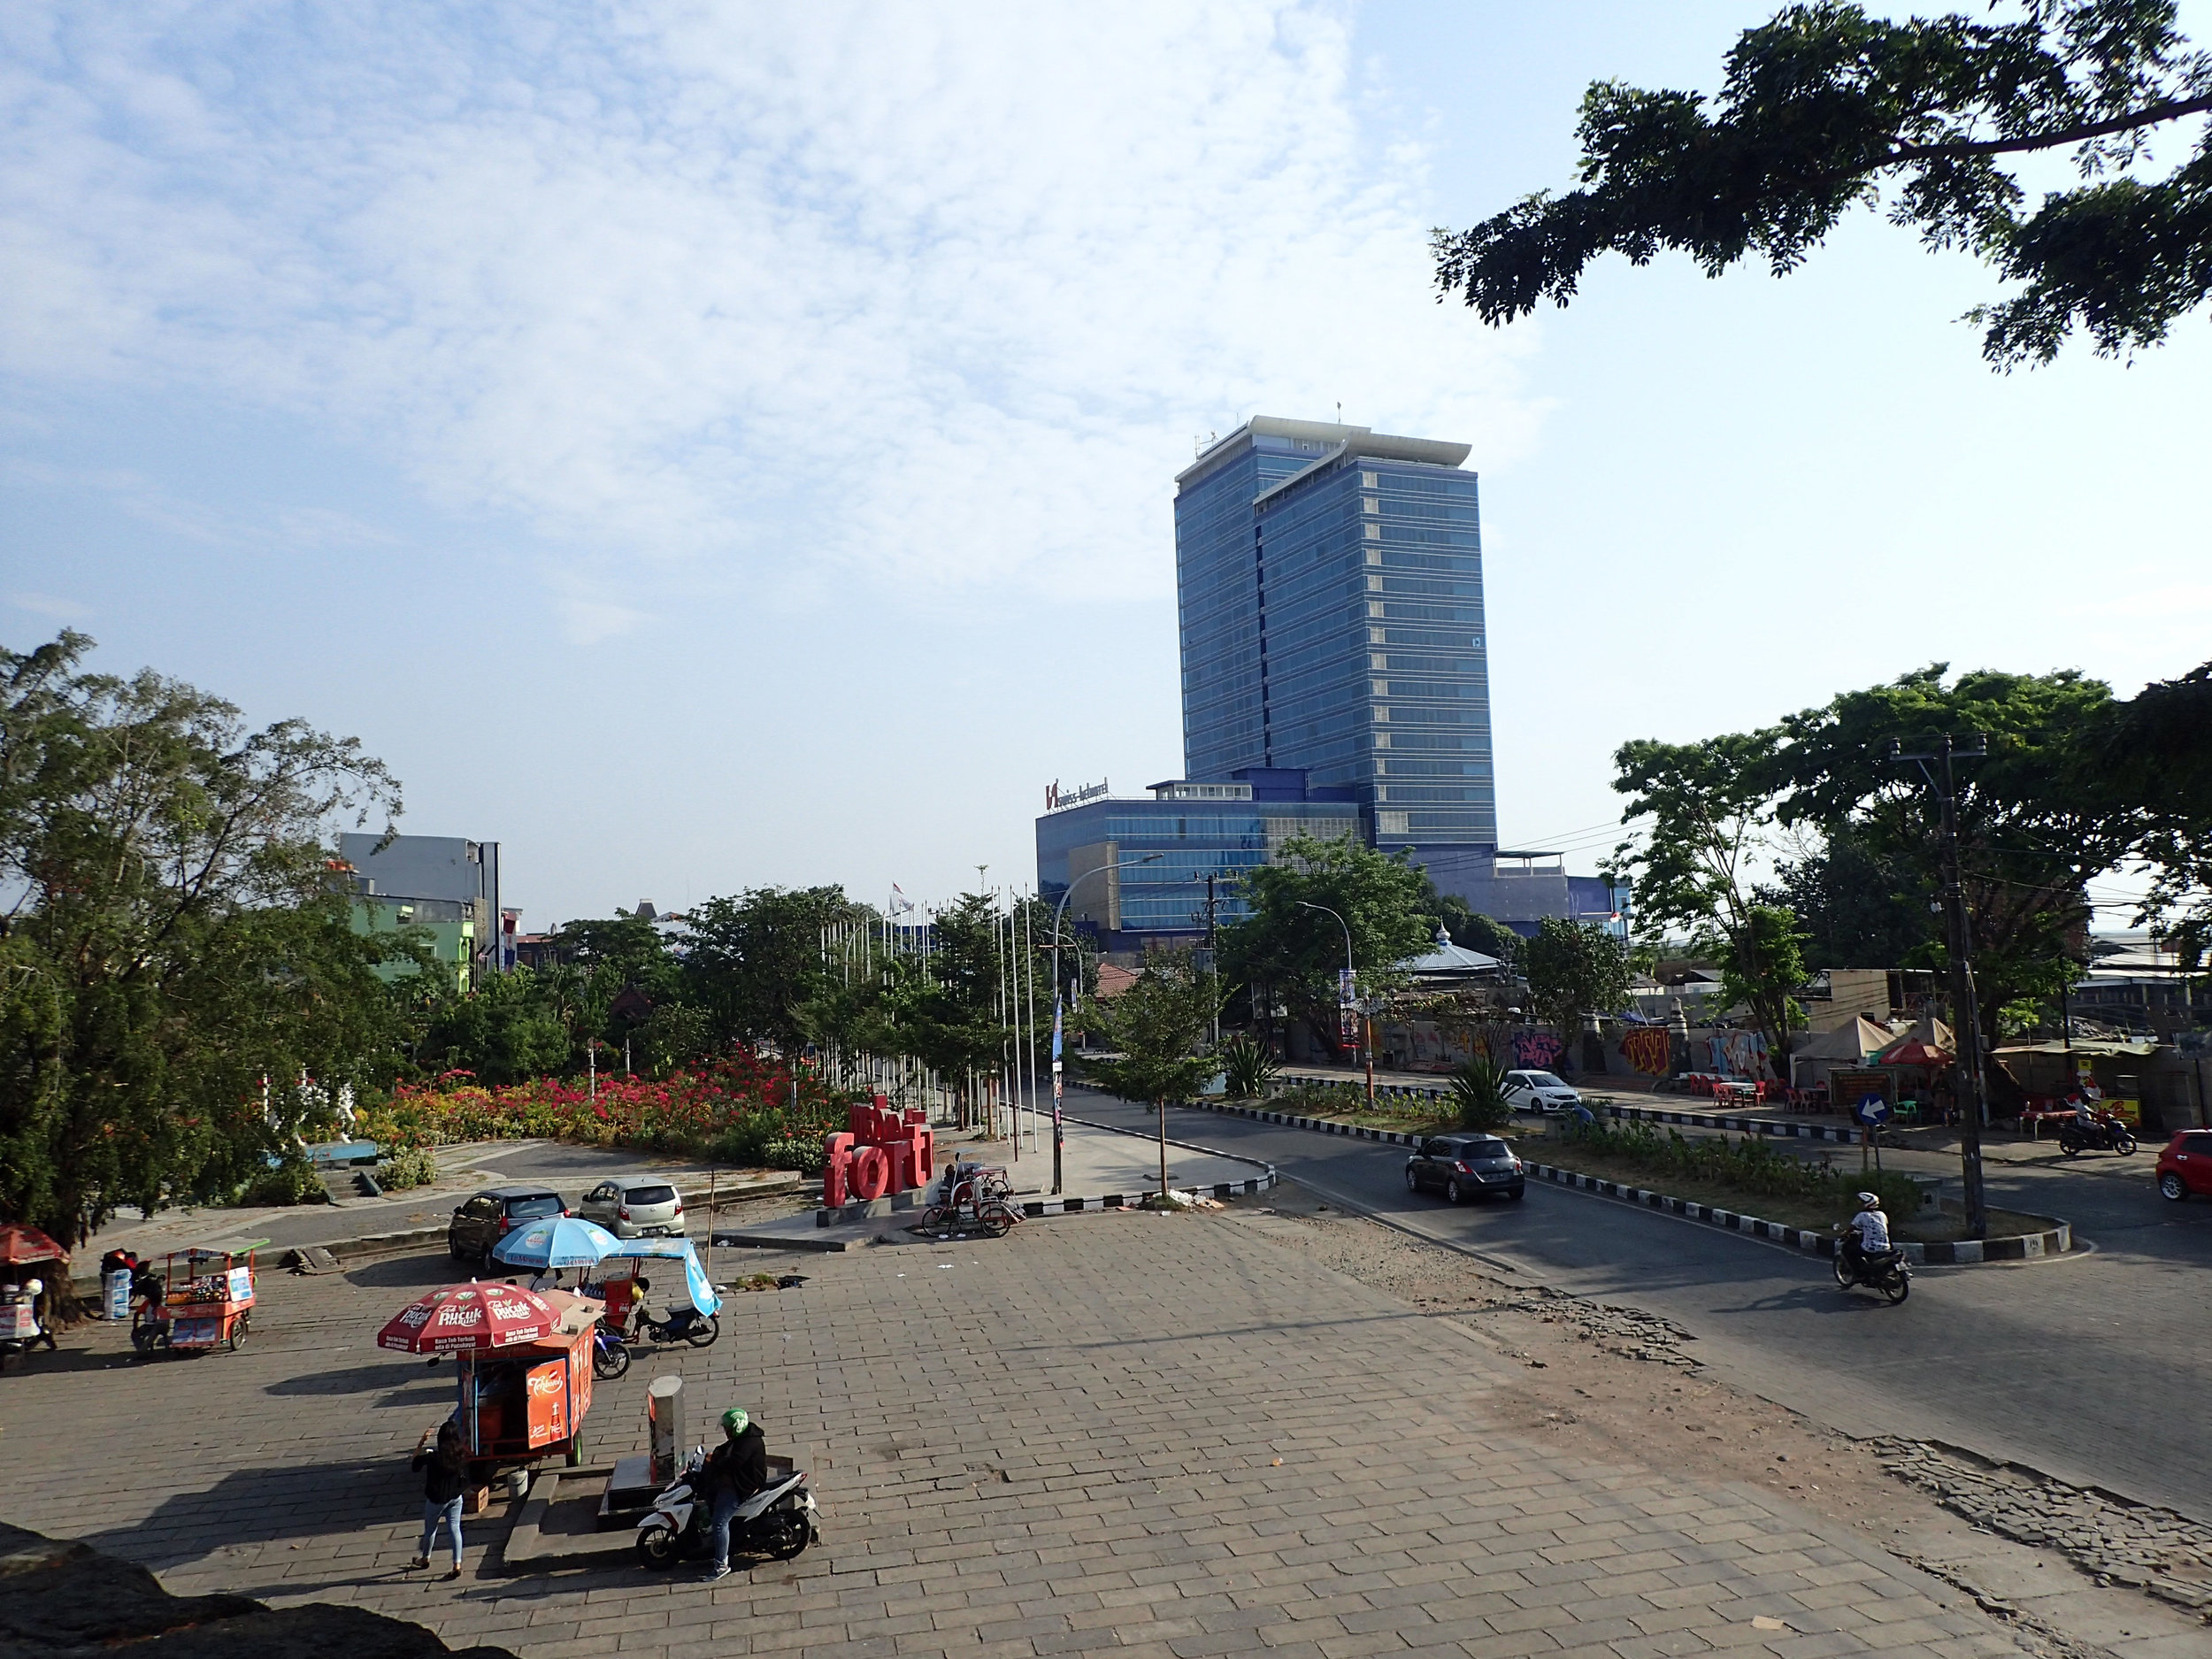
x,y
734,1470
1866,1233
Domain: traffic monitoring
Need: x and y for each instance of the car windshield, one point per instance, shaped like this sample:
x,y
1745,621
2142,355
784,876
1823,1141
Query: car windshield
x,y
524,1209
1545,1079
650,1195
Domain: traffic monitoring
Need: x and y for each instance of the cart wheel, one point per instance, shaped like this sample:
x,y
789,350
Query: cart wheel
x,y
576,1450
238,1333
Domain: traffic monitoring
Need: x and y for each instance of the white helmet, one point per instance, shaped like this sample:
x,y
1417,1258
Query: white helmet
x,y
1870,1200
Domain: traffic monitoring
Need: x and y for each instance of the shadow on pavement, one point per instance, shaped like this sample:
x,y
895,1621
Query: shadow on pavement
x,y
266,1506
423,1270
363,1380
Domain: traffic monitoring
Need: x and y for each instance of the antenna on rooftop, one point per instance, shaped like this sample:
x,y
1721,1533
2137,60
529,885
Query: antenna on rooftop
x,y
1339,412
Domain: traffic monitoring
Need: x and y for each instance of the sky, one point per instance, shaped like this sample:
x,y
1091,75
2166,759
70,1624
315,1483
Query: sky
x,y
703,446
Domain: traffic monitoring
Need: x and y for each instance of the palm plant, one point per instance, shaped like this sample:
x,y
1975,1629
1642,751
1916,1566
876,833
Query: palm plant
x,y
1478,1095
1247,1067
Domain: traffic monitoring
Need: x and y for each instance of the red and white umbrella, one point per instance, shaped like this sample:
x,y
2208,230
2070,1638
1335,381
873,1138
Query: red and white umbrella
x,y
20,1244
469,1319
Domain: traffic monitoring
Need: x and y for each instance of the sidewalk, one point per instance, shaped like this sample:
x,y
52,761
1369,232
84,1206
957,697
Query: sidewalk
x,y
1175,1437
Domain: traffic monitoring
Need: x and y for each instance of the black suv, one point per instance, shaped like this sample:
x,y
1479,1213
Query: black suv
x,y
480,1222
1465,1167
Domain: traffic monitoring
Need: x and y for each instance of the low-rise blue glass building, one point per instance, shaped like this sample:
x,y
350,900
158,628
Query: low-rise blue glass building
x,y
1188,831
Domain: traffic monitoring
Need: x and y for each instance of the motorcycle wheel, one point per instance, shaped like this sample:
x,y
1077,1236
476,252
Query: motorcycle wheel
x,y
1843,1271
1897,1286
656,1548
609,1362
2071,1148
704,1331
2124,1145
786,1540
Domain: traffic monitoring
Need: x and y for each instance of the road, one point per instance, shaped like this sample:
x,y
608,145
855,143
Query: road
x,y
2092,1367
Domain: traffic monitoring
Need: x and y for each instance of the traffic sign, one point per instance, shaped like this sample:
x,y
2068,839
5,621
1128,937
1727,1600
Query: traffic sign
x,y
1872,1110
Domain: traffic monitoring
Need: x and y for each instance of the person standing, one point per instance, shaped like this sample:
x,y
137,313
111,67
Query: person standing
x,y
445,1474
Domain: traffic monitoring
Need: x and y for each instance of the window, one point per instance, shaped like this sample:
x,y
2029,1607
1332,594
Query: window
x,y
1394,823
650,1195
1382,710
1380,688
1375,637
1382,740
1374,584
1374,608
1369,480
1372,532
528,1208
1369,506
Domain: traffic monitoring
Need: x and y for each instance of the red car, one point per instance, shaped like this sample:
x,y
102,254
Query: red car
x,y
2185,1165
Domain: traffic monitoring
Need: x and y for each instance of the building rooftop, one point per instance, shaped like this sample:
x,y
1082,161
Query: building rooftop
x,y
1329,441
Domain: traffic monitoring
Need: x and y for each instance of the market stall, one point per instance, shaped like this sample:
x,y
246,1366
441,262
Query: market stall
x,y
207,1298
523,1359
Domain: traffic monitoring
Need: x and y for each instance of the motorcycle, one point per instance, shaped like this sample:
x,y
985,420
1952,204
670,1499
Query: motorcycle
x,y
1885,1271
610,1354
778,1521
2092,1131
680,1324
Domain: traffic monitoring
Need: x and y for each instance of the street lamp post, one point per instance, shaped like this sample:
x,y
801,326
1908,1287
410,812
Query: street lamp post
x,y
1367,1029
1059,1136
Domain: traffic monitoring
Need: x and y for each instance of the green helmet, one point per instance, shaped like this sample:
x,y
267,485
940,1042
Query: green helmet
x,y
734,1421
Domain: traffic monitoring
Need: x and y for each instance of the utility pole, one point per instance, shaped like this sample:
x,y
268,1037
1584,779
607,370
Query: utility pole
x,y
1365,1026
1965,1012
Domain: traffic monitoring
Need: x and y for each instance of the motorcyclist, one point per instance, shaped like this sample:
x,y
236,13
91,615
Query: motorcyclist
x,y
734,1472
1866,1234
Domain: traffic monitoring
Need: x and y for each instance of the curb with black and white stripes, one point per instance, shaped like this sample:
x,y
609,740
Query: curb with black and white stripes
x,y
1245,1188
1964,1252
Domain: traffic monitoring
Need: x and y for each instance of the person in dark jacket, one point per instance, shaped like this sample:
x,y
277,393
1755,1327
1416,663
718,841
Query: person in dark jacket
x,y
734,1472
445,1477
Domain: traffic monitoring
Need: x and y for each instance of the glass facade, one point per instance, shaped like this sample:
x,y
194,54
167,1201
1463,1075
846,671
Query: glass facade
x,y
1186,838
1330,584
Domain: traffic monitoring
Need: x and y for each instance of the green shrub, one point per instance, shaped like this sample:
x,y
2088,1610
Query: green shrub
x,y
1248,1067
410,1166
804,1153
1478,1095
291,1182
1321,1099
1749,1164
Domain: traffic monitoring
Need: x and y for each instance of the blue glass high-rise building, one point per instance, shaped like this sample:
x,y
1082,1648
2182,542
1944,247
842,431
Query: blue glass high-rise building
x,y
1330,580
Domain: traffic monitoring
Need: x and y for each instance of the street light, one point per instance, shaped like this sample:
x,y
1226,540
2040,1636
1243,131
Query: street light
x,y
1367,1029
1059,1135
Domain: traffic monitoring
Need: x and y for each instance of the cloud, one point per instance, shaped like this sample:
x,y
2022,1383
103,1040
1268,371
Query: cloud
x,y
932,295
51,606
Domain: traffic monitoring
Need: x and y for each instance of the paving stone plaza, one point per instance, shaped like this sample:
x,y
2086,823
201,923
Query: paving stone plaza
x,y
1118,1432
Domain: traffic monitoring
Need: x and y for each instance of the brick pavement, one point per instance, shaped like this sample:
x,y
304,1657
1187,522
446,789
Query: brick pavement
x,y
1150,1435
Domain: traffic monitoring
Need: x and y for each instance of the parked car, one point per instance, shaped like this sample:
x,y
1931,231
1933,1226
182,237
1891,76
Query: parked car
x,y
1539,1092
484,1219
1465,1166
2185,1165
634,1207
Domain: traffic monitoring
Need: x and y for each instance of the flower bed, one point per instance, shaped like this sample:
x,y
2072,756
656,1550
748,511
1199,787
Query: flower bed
x,y
742,1110
1737,1171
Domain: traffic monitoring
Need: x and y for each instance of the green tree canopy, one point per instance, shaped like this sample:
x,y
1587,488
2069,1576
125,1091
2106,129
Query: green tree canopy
x,y
1826,107
1155,1026
1293,955
1859,908
175,941
1575,969
753,960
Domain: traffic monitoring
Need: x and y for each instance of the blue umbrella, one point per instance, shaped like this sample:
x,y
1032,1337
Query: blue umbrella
x,y
556,1241
701,1293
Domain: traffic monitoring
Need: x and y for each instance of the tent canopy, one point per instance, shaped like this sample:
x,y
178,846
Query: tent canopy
x,y
1852,1041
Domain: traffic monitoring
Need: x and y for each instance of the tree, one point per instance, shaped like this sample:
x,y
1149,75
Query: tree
x,y
2154,753
1154,1027
1859,908
751,961
1824,108
1575,969
1293,954
176,953
1469,929
1712,810
505,1030
2030,836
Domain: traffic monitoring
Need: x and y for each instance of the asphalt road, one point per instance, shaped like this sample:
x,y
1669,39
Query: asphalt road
x,y
2094,1367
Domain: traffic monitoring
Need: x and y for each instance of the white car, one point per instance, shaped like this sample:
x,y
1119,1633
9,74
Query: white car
x,y
639,1207
1539,1092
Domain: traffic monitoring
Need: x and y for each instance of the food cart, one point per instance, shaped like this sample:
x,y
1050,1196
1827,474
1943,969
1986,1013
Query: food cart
x,y
207,1297
525,1362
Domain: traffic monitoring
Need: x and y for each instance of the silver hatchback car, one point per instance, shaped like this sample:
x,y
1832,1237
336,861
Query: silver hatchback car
x,y
634,1207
